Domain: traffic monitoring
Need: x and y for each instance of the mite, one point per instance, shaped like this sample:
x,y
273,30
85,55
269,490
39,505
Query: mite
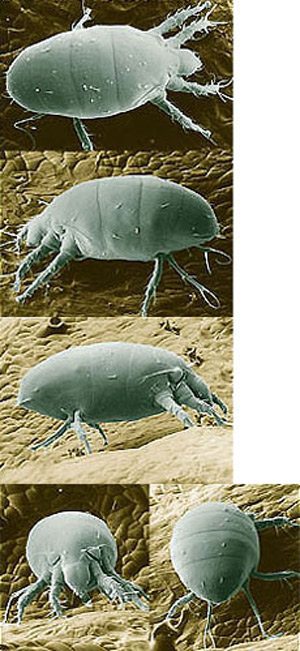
x,y
137,218
111,382
73,549
215,551
102,71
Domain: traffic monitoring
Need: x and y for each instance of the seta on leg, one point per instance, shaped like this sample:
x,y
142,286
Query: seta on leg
x,y
153,283
280,521
209,297
177,19
83,135
177,116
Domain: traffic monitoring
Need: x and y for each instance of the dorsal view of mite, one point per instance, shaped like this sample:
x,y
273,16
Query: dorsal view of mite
x,y
136,218
111,382
105,70
215,551
77,550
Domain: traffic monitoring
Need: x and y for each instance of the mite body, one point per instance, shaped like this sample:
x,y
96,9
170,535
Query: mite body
x,y
112,382
73,549
102,71
215,551
121,218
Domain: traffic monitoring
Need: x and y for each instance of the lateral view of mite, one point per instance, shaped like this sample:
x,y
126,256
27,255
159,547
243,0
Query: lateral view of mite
x,y
74,549
215,551
101,71
110,382
137,218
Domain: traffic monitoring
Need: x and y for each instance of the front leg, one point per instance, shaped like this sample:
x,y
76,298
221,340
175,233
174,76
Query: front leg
x,y
177,19
178,84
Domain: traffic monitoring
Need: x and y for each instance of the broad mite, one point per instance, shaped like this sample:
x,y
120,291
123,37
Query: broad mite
x,y
111,382
105,70
135,217
74,549
215,551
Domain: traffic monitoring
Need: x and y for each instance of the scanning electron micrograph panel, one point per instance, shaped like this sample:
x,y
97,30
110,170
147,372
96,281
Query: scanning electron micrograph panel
x,y
110,287
146,126
154,448
125,511
233,623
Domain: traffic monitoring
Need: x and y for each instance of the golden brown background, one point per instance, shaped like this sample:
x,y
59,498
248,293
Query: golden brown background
x,y
125,510
29,21
233,622
94,287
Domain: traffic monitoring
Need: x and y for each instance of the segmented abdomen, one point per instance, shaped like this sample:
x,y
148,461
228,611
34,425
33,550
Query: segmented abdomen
x,y
214,548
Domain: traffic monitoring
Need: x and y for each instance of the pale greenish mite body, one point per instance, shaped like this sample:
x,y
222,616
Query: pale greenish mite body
x,y
73,549
137,218
115,381
215,551
102,71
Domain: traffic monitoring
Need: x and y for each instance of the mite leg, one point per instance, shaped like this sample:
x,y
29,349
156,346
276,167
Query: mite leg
x,y
83,135
207,630
177,19
188,31
114,588
86,16
178,604
78,428
255,610
57,583
279,521
100,430
57,435
167,402
153,283
176,115
209,297
184,395
219,402
129,585
67,253
276,576
25,597
49,243
199,90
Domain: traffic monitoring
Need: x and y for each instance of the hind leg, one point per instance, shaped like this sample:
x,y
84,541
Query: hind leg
x,y
83,135
209,297
100,430
256,611
177,116
57,583
153,283
57,435
279,521
79,429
